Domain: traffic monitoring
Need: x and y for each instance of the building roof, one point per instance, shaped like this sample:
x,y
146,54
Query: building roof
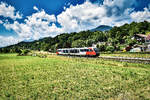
x,y
141,35
136,45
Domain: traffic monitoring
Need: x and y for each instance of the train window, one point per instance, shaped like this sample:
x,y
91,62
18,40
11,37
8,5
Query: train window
x,y
65,51
90,50
82,50
71,51
59,50
76,51
86,50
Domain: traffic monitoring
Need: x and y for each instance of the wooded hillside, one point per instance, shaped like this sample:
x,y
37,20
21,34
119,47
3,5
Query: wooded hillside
x,y
113,39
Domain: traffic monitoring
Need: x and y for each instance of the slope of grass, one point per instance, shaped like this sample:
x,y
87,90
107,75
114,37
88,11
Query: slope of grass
x,y
64,78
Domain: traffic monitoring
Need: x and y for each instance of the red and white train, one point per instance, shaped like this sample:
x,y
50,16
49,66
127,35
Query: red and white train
x,y
86,51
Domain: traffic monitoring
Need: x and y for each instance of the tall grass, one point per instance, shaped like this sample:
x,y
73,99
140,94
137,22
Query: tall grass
x,y
65,78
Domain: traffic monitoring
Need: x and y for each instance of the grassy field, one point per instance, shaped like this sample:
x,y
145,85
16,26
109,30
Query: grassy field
x,y
64,78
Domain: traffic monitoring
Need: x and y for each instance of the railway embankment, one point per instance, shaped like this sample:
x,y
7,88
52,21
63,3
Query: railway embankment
x,y
127,59
131,57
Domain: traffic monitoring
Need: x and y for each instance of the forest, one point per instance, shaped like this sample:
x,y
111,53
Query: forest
x,y
113,40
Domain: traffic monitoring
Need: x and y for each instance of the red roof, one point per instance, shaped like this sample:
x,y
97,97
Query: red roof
x,y
141,35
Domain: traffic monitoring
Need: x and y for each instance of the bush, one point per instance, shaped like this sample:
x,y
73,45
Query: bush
x,y
118,47
110,48
130,42
101,47
23,52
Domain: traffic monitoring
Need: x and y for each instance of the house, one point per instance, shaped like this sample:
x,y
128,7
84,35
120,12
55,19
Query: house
x,y
148,48
140,37
145,39
147,43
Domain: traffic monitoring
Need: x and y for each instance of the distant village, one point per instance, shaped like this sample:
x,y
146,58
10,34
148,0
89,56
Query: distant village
x,y
144,47
140,38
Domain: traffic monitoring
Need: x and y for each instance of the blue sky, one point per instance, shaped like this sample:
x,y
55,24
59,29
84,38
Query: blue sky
x,y
26,20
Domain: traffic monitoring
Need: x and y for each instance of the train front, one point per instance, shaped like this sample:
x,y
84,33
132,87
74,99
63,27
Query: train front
x,y
96,51
93,52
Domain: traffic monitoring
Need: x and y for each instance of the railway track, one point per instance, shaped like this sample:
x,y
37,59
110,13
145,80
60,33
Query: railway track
x,y
127,59
122,59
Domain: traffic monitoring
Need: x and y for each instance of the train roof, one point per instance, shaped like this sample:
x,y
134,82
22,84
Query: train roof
x,y
75,48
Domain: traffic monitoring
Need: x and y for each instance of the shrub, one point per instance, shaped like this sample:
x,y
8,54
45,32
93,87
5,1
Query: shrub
x,y
23,52
110,48
101,47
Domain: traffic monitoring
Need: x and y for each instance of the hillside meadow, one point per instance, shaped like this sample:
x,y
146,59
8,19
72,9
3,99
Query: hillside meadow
x,y
68,78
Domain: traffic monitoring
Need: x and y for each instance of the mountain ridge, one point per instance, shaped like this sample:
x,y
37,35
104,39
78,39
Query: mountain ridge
x,y
101,28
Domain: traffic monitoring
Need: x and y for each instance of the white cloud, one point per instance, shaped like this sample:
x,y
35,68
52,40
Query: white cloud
x,y
119,3
9,11
81,17
1,22
40,16
5,41
87,15
64,8
22,30
37,26
141,15
35,8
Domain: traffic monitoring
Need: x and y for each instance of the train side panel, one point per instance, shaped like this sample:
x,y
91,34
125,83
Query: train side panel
x,y
78,51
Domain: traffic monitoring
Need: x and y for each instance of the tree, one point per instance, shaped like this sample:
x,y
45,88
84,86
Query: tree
x,y
101,47
23,52
89,42
78,43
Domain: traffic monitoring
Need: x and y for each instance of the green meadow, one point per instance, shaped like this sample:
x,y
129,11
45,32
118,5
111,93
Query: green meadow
x,y
66,78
